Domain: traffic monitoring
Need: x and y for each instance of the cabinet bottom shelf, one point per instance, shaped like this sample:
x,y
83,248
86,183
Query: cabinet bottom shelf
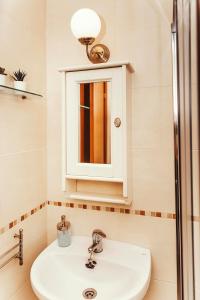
x,y
97,197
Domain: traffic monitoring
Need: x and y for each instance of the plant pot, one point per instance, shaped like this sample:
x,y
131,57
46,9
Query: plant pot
x,y
2,79
20,85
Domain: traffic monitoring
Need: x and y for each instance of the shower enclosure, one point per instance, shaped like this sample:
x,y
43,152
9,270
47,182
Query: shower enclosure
x,y
186,67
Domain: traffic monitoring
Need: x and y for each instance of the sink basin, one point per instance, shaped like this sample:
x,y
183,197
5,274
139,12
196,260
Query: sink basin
x,y
122,272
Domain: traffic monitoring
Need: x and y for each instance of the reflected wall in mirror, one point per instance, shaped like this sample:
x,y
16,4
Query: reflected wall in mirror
x,y
94,136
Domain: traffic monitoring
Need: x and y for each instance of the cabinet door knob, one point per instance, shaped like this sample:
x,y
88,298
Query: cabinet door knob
x,y
117,122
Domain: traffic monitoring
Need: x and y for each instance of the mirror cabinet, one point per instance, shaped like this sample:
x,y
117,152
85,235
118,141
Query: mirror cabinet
x,y
96,127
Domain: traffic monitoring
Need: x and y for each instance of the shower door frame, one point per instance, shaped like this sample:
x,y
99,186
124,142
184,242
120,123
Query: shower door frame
x,y
181,55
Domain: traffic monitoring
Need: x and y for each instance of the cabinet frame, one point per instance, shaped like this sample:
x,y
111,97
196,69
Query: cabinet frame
x,y
126,172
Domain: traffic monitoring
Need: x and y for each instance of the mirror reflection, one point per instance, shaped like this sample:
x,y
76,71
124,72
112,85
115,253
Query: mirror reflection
x,y
95,144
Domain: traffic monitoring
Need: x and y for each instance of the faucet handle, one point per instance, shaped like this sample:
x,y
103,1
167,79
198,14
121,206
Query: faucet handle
x,y
98,232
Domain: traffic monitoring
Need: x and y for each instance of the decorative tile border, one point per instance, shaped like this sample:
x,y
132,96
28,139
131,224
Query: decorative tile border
x,y
115,209
22,218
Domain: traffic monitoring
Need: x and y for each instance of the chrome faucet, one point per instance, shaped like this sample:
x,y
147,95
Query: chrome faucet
x,y
96,247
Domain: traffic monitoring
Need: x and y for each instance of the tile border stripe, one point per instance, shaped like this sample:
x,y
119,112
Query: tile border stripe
x,y
114,209
22,218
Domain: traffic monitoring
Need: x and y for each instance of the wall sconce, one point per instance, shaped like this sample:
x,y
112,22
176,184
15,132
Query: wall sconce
x,y
86,25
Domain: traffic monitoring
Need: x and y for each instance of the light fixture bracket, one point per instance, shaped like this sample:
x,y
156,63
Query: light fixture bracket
x,y
99,53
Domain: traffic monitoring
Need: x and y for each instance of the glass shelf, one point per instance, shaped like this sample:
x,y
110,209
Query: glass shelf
x,y
16,92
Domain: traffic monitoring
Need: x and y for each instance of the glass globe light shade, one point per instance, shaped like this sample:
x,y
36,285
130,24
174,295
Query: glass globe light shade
x,y
85,23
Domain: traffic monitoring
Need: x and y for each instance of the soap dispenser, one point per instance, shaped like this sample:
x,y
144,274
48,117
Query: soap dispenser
x,y
64,232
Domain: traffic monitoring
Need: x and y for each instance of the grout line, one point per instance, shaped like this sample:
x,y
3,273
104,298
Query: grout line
x,y
164,281
151,86
23,152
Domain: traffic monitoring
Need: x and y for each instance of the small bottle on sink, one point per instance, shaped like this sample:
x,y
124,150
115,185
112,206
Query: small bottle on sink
x,y
64,232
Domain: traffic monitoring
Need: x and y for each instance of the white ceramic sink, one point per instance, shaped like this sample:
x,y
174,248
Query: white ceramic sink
x,y
122,271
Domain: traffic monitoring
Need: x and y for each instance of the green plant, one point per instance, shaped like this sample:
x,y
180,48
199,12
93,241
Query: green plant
x,y
2,71
19,75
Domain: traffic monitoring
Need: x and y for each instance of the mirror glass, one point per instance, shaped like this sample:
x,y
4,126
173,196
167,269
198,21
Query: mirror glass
x,y
94,137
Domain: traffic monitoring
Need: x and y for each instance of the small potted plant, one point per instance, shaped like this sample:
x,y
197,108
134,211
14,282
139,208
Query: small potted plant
x,y
19,82
2,76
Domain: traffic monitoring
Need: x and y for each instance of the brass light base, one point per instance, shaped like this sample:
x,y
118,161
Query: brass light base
x,y
86,41
98,54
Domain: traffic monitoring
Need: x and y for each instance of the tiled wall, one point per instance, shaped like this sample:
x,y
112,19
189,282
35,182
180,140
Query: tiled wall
x,y
139,31
22,138
135,30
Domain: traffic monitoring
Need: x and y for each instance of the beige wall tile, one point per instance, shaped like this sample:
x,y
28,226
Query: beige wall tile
x,y
150,13
197,257
195,118
152,118
22,124
24,293
197,294
193,31
18,19
161,290
196,178
151,57
153,180
23,184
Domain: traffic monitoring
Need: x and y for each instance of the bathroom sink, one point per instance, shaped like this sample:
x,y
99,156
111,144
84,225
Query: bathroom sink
x,y
122,272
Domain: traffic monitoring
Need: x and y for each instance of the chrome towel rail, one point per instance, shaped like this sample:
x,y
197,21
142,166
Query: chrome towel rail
x,y
18,255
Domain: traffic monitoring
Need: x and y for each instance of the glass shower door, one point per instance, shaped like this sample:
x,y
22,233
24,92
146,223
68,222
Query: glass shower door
x,y
186,91
195,109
